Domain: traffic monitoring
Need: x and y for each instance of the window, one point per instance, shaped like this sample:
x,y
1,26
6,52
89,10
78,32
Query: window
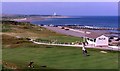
x,y
101,38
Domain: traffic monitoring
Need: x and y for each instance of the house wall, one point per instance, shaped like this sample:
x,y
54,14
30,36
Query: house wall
x,y
102,41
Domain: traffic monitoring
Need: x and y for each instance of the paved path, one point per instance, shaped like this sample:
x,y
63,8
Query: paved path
x,y
115,48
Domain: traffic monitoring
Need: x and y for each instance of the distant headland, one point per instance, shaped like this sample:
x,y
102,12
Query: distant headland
x,y
27,18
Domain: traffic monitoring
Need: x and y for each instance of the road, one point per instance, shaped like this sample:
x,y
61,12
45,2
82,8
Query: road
x,y
70,32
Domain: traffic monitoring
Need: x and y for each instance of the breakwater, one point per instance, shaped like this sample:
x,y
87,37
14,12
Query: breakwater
x,y
92,28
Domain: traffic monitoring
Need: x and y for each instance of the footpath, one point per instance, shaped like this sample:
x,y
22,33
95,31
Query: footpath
x,y
114,48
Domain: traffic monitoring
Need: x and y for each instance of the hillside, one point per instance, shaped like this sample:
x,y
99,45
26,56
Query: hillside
x,y
15,30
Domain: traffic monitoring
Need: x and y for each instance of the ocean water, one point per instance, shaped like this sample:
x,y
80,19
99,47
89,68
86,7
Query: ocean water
x,y
95,21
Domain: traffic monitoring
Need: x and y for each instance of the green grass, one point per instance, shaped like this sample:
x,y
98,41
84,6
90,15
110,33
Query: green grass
x,y
60,39
27,30
36,32
20,52
60,57
6,28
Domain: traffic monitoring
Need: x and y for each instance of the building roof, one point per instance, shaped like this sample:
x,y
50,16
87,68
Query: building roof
x,y
93,35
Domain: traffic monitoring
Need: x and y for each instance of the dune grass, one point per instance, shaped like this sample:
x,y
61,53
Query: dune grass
x,y
27,30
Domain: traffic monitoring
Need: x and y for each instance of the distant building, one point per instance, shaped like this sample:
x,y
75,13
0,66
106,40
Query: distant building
x,y
54,14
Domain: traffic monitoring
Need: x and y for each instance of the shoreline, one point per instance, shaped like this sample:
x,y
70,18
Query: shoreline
x,y
32,19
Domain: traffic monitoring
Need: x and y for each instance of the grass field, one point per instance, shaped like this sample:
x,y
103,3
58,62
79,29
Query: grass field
x,y
18,52
60,39
60,57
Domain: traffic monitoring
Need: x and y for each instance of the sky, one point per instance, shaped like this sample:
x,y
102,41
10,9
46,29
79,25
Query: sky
x,y
61,8
60,0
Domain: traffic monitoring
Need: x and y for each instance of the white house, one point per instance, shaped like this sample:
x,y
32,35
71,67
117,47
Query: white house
x,y
97,39
102,41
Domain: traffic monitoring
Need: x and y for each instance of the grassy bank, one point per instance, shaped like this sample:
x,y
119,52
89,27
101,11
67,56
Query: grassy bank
x,y
27,30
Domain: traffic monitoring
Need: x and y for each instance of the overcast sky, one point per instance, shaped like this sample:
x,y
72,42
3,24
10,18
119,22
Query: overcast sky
x,y
62,8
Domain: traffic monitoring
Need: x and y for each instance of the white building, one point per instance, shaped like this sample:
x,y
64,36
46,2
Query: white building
x,y
54,14
102,41
97,39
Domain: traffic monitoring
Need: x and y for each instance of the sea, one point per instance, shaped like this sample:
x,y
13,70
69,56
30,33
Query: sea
x,y
94,21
